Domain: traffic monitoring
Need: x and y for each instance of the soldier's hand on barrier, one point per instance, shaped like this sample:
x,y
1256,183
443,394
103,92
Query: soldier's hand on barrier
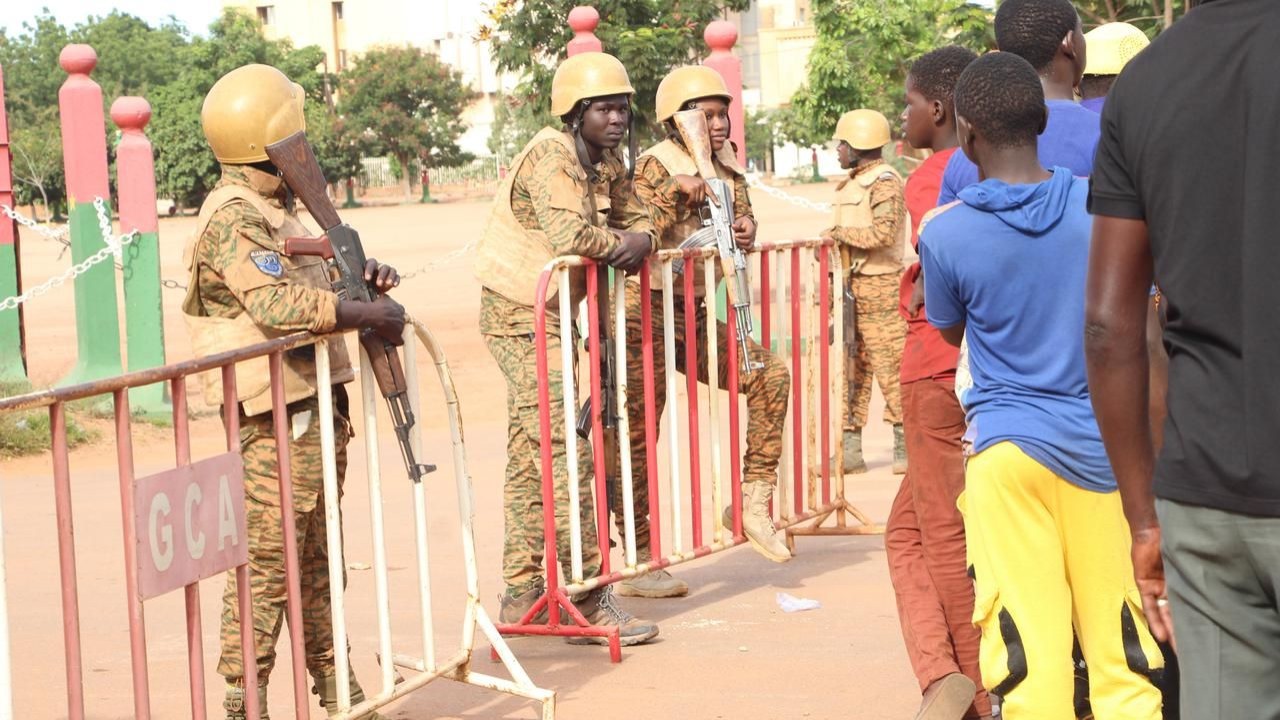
x,y
695,190
383,277
631,251
744,232
384,316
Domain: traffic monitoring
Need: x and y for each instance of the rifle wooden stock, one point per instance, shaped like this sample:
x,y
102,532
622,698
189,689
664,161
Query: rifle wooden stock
x,y
297,164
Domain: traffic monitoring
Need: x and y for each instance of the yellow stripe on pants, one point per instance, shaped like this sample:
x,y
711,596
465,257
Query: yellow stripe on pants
x,y
1047,557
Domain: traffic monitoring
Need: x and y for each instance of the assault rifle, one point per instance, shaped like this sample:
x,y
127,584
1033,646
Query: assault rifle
x,y
717,222
340,246
608,387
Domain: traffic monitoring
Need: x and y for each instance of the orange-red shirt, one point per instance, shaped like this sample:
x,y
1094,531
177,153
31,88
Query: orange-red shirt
x,y
926,355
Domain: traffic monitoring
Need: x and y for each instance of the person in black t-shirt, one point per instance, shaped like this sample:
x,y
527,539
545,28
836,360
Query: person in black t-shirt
x,y
1186,187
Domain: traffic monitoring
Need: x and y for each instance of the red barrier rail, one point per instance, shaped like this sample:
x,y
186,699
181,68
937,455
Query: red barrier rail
x,y
810,506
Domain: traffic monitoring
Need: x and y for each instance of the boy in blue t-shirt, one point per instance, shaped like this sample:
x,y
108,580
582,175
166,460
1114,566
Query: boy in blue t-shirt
x,y
1047,34
1048,543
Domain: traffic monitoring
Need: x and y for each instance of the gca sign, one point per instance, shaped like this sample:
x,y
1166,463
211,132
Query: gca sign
x,y
191,524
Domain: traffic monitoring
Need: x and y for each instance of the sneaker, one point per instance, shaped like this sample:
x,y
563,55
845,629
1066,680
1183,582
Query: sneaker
x,y
947,698
599,608
657,584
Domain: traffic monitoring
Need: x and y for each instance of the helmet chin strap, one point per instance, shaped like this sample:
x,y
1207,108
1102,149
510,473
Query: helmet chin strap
x,y
584,157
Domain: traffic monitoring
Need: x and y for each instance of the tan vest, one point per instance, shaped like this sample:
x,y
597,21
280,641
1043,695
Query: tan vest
x,y
676,161
853,209
210,335
510,257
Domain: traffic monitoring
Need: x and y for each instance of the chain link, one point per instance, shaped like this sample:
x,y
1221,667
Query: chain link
x,y
755,182
113,245
442,260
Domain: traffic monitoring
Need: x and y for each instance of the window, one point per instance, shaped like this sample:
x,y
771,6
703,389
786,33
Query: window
x,y
267,14
342,60
337,11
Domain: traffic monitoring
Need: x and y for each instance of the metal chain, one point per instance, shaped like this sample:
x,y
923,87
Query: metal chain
x,y
58,235
755,182
113,244
442,260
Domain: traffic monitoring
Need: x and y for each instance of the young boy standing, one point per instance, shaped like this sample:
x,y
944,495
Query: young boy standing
x,y
1047,540
924,536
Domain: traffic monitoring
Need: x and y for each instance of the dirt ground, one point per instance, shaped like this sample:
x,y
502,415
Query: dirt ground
x,y
726,651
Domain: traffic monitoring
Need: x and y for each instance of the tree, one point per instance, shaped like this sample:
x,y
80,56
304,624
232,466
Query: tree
x,y
37,161
1153,16
408,104
162,63
185,167
650,38
864,50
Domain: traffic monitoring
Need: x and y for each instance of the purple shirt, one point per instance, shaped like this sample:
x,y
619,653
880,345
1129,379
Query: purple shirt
x,y
1094,104
1068,141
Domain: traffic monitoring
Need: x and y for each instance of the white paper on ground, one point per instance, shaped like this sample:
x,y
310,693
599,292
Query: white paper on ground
x,y
791,603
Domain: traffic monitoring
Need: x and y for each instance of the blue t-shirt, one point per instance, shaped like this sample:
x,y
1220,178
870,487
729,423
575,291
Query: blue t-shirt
x,y
1069,141
1010,262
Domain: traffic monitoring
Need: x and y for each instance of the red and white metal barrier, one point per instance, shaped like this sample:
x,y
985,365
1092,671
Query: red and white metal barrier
x,y
795,286
202,497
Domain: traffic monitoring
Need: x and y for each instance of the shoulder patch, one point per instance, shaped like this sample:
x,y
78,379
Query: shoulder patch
x,y
268,261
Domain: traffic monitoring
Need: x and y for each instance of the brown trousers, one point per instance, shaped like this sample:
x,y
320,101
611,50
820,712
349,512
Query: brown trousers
x,y
924,541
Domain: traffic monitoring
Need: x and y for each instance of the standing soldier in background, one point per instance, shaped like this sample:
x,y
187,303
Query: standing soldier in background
x,y
872,229
1109,48
244,289
667,182
567,194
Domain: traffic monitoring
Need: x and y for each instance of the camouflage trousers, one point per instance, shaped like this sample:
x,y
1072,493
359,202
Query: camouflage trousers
x,y
877,348
523,550
765,389
266,539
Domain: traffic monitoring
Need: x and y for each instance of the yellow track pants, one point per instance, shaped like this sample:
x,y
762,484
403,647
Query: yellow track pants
x,y
1048,558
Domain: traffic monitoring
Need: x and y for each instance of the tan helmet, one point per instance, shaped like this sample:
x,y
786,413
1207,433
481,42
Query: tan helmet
x,y
863,129
585,76
690,82
248,109
1111,46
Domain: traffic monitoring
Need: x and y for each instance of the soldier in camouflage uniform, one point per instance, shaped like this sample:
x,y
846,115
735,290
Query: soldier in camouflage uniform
x,y
872,229
244,289
567,194
667,181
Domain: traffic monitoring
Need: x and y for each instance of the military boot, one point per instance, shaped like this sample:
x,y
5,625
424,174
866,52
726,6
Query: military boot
x,y
899,451
757,522
599,608
511,609
326,686
656,584
236,707
854,463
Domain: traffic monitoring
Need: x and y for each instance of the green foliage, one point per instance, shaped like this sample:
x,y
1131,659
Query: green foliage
x,y
1153,16
408,104
174,71
650,37
37,159
864,50
27,433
